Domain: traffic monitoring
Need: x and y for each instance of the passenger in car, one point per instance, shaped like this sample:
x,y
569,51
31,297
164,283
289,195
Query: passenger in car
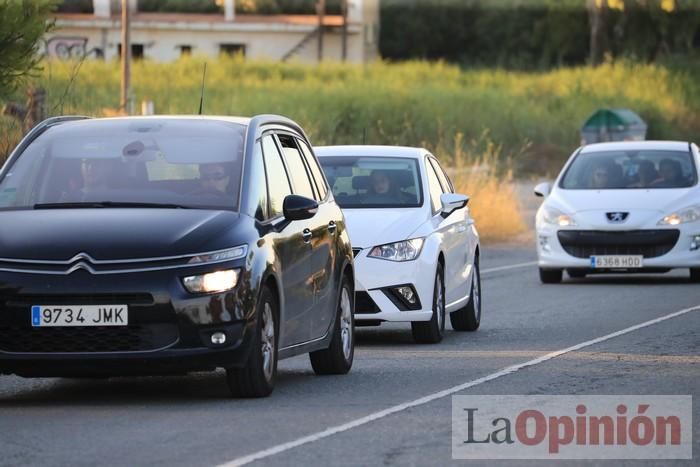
x,y
382,189
213,179
671,174
97,174
600,176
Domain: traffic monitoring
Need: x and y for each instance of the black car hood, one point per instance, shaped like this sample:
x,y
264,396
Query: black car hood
x,y
110,234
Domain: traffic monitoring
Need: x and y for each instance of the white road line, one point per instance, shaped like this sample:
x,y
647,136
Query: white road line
x,y
439,395
511,266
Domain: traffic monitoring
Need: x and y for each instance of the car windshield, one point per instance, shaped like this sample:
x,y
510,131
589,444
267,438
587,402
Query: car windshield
x,y
647,169
374,182
189,163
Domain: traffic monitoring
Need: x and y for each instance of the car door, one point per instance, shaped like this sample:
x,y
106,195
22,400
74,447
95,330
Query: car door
x,y
453,230
293,251
325,255
315,228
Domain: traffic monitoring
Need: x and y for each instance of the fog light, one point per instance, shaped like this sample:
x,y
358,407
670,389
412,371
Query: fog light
x,y
218,338
695,244
407,294
544,243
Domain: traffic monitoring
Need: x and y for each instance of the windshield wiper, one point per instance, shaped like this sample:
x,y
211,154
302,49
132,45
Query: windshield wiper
x,y
107,204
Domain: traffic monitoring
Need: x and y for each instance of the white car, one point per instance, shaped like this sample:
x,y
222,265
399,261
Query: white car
x,y
622,207
416,248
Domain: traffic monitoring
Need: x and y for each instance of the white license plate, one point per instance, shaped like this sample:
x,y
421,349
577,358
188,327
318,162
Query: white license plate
x,y
79,315
617,261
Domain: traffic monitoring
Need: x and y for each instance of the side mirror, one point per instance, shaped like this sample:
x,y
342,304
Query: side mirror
x,y
297,208
542,190
451,202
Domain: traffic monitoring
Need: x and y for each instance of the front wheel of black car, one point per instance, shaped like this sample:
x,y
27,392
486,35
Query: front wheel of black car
x,y
257,377
337,358
695,275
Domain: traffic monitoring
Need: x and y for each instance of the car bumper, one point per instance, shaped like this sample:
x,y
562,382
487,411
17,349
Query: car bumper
x,y
553,255
169,330
375,277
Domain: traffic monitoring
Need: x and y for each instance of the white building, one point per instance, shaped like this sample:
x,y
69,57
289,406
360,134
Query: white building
x,y
166,36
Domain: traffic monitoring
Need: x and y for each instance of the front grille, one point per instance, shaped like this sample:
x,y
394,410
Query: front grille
x,y
364,304
648,243
151,326
20,338
356,251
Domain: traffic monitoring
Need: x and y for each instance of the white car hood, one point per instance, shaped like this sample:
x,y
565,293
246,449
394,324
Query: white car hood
x,y
372,227
659,200
645,207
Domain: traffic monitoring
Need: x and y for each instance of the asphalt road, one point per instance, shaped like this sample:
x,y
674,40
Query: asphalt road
x,y
190,420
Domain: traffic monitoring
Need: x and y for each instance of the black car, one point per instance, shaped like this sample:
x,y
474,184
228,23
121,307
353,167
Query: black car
x,y
164,245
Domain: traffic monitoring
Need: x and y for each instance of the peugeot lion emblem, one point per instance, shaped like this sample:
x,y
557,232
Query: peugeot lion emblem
x,y
617,217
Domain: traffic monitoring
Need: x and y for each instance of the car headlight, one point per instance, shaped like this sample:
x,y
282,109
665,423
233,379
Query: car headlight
x,y
220,256
689,214
554,216
219,281
406,250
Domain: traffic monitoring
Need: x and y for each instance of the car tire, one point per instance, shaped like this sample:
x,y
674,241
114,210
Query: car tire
x,y
576,274
257,377
550,276
430,332
468,318
695,275
338,357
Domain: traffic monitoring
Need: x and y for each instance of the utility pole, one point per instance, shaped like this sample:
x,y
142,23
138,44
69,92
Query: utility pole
x,y
126,57
344,7
321,10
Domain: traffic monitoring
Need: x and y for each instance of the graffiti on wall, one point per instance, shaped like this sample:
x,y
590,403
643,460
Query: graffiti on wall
x,y
67,47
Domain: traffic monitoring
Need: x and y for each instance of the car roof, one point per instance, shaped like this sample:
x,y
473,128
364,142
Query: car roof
x,y
369,151
637,146
239,120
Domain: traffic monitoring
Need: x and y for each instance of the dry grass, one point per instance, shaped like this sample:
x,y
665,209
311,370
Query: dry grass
x,y
493,204
483,175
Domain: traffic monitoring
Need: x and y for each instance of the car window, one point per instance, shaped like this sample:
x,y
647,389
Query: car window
x,y
277,182
646,169
257,185
442,176
315,171
374,182
297,168
149,161
434,187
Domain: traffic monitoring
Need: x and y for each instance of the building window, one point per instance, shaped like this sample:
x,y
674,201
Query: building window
x,y
185,50
232,49
136,51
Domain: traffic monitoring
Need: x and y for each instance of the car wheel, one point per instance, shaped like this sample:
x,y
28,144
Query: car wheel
x,y
695,275
468,318
550,276
576,274
337,358
430,332
257,377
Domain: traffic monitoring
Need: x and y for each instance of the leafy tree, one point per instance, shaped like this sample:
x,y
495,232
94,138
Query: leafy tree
x,y
23,24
